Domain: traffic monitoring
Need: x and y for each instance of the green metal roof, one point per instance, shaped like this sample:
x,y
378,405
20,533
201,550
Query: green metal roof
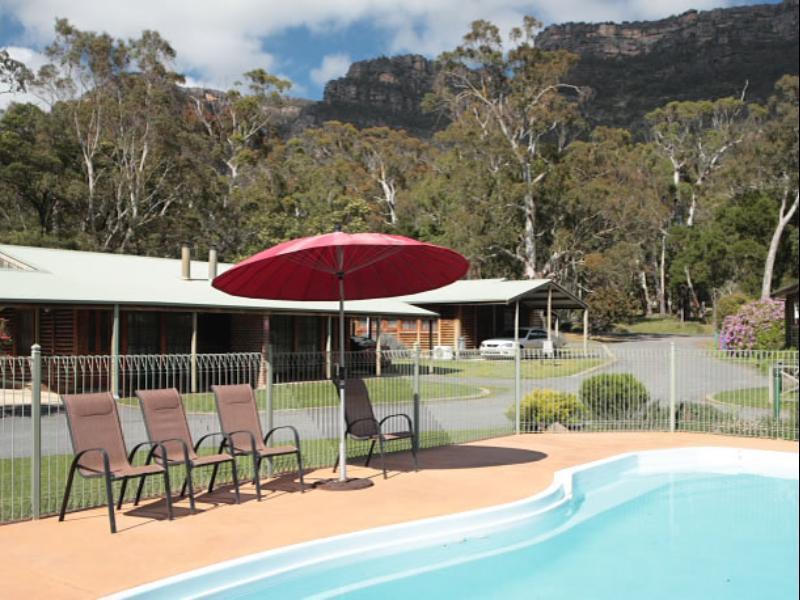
x,y
532,292
54,276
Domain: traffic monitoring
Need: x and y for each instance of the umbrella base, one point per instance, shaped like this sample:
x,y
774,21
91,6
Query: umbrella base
x,y
348,485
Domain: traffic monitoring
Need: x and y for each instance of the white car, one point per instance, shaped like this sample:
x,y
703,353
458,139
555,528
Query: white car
x,y
530,338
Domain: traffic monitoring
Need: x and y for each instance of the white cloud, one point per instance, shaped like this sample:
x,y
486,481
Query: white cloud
x,y
217,42
333,66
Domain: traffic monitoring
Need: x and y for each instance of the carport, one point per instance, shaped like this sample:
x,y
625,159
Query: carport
x,y
471,310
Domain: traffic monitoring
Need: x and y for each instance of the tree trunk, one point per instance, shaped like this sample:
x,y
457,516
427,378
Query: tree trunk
x,y
662,288
694,304
529,241
648,306
784,217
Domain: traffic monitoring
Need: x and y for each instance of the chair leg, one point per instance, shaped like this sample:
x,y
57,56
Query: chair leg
x,y
383,457
168,493
188,479
300,472
369,454
140,487
68,489
257,474
235,480
414,454
122,489
139,490
215,468
110,500
336,464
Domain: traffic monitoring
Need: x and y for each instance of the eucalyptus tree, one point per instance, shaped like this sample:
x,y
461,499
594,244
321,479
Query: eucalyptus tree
x,y
38,173
80,80
14,75
612,195
466,199
696,137
237,121
767,165
520,94
394,160
309,185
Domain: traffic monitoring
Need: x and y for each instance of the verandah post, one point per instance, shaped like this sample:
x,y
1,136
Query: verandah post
x,y
115,352
36,421
193,350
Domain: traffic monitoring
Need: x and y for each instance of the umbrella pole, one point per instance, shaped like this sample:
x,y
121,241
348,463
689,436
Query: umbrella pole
x,y
342,379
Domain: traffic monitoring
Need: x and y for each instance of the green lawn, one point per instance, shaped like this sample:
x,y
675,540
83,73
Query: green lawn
x,y
314,394
754,397
504,369
664,325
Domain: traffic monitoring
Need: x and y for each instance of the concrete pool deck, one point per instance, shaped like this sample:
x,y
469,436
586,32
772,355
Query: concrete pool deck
x,y
79,558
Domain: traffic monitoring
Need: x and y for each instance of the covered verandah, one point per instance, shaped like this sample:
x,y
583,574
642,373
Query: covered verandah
x,y
474,310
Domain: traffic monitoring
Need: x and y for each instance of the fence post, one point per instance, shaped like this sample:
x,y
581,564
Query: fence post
x,y
673,384
193,358
777,370
270,413
36,421
517,371
416,396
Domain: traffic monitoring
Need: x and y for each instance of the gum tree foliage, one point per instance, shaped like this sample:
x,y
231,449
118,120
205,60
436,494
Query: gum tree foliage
x,y
520,96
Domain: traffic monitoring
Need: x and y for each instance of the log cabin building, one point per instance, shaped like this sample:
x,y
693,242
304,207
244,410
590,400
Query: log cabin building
x,y
88,303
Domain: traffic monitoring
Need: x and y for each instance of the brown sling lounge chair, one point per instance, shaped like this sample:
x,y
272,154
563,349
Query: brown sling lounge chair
x,y
99,448
165,421
238,416
362,424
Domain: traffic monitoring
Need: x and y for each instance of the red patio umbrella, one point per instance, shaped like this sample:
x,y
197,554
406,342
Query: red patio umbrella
x,y
341,266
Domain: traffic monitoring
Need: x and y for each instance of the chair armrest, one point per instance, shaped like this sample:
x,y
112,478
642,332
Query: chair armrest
x,y
184,446
199,442
403,415
153,447
229,439
294,433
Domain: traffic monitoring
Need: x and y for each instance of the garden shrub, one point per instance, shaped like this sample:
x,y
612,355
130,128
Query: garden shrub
x,y
730,304
757,325
542,408
615,395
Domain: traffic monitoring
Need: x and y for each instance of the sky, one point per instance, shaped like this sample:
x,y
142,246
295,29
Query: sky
x,y
306,41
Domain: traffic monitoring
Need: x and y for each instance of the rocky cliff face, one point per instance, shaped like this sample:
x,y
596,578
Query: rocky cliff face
x,y
380,92
632,68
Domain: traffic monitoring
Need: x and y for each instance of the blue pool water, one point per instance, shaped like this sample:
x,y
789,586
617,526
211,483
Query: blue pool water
x,y
678,536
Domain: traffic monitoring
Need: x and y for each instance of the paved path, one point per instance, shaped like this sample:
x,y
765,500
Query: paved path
x,y
699,375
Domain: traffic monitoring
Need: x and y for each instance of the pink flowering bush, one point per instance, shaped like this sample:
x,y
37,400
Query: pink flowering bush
x,y
756,326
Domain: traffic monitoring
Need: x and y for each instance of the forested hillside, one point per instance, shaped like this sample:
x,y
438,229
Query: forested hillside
x,y
123,159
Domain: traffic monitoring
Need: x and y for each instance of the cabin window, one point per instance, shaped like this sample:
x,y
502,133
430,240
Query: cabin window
x,y
144,333
308,334
178,333
409,325
280,333
24,332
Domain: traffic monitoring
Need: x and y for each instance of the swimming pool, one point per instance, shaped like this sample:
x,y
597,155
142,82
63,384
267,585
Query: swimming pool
x,y
685,523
